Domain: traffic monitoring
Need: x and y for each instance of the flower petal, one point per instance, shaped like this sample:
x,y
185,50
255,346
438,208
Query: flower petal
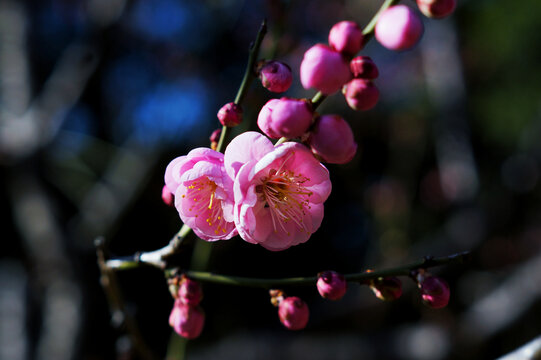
x,y
246,147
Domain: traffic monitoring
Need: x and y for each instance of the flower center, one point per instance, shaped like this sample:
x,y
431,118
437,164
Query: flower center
x,y
202,195
286,197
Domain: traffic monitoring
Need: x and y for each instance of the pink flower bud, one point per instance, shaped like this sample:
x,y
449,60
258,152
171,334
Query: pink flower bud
x,y
434,291
215,138
331,285
399,28
324,69
346,37
361,94
230,114
275,76
293,313
189,291
285,117
332,140
364,68
167,196
436,9
187,320
387,289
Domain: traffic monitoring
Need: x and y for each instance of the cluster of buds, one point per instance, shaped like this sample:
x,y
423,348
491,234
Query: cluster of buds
x,y
187,317
434,290
292,310
361,93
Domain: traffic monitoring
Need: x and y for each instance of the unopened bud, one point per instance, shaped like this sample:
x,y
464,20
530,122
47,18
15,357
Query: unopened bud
x,y
363,67
399,28
167,196
285,117
293,313
346,37
189,291
324,69
215,138
230,114
187,320
434,291
275,76
331,139
436,9
361,94
331,285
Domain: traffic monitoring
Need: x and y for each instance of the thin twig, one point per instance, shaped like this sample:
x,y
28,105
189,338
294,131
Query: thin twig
x,y
249,76
117,305
404,270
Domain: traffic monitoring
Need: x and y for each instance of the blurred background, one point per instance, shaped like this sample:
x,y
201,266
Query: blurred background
x,y
97,96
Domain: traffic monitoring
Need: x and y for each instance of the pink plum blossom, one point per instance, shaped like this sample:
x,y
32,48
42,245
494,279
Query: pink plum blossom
x,y
332,140
293,313
285,117
279,191
399,28
187,320
203,193
324,69
346,37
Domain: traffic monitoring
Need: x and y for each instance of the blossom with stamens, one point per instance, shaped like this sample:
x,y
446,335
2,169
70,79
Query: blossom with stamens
x,y
279,191
203,193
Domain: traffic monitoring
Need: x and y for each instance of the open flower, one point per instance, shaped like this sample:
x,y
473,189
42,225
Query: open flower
x,y
279,191
203,193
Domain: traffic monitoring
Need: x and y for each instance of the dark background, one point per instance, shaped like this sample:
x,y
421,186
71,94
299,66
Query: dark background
x,y
97,96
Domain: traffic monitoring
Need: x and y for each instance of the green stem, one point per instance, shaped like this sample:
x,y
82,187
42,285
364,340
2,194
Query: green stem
x,y
223,137
249,76
317,100
368,30
356,277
